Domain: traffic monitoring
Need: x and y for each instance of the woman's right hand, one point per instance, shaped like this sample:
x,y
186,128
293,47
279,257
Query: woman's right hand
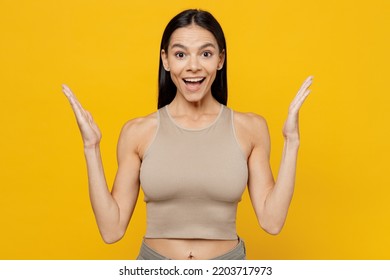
x,y
90,132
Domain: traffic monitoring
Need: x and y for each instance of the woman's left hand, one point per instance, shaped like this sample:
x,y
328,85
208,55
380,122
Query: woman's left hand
x,y
291,126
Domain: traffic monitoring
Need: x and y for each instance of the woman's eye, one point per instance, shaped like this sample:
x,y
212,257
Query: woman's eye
x,y
207,54
180,55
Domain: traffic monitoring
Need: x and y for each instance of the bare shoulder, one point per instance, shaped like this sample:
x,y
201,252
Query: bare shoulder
x,y
140,125
250,122
251,131
137,133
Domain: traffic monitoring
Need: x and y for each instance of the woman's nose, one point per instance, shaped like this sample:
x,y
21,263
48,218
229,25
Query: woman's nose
x,y
194,64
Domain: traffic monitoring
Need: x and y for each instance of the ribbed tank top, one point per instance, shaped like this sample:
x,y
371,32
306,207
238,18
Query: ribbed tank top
x,y
193,179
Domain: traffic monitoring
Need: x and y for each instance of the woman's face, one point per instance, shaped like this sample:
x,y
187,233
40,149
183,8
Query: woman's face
x,y
193,58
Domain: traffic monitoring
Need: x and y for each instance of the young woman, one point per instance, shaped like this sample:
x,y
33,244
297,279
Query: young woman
x,y
193,157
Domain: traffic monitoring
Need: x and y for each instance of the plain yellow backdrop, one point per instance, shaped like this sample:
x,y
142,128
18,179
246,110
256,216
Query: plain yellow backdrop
x,y
108,52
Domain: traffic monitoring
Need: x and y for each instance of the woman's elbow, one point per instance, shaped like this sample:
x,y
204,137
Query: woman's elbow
x,y
272,228
113,237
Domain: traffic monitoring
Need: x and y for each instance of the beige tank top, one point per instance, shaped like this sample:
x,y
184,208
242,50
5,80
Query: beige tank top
x,y
193,179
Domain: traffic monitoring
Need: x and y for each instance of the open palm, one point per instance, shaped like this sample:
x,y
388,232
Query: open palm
x,y
291,126
90,132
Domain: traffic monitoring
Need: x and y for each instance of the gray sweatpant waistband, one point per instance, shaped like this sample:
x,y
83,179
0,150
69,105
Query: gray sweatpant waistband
x,y
237,253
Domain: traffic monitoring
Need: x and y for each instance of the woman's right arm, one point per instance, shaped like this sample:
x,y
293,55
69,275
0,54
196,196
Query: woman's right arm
x,y
113,210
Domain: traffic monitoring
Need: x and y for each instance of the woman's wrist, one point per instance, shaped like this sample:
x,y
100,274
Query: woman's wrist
x,y
292,143
91,147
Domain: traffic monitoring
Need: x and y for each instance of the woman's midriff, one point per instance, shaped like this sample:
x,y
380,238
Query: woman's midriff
x,y
190,249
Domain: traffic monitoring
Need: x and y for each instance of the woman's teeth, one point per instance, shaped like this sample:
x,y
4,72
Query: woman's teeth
x,y
194,80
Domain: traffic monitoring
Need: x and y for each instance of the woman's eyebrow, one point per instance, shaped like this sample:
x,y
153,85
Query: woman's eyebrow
x,y
178,45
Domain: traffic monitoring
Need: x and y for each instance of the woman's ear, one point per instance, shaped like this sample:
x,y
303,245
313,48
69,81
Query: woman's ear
x,y
221,59
164,60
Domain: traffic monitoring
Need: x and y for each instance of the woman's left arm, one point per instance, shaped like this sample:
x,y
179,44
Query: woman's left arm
x,y
270,199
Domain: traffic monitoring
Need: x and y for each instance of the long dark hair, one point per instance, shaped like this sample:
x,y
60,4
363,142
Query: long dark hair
x,y
166,87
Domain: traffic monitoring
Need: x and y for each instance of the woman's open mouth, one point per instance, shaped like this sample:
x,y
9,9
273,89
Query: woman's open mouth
x,y
193,84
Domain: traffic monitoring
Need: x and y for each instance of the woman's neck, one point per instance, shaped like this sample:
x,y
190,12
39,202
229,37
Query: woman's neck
x,y
180,107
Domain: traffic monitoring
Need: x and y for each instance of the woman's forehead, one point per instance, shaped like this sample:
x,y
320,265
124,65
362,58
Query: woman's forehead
x,y
192,36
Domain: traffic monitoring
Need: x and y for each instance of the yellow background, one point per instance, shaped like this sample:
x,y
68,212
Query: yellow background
x,y
108,51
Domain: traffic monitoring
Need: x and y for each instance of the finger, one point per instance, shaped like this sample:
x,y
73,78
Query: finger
x,y
70,95
90,118
297,103
303,96
309,79
307,83
67,91
92,122
76,105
